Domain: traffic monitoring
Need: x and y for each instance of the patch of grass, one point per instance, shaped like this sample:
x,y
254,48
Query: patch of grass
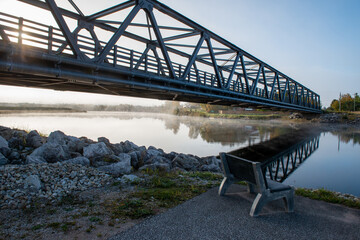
x,y
205,176
37,227
54,225
51,211
94,219
90,228
162,182
99,235
327,196
132,208
67,200
65,226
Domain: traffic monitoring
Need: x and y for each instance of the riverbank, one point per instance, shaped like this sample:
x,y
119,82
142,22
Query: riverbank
x,y
65,187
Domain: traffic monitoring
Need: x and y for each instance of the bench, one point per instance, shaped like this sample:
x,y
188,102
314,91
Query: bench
x,y
239,169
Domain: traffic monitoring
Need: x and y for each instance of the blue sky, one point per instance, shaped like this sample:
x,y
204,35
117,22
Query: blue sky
x,y
314,42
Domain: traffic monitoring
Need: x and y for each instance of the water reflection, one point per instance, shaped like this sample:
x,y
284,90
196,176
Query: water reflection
x,y
282,155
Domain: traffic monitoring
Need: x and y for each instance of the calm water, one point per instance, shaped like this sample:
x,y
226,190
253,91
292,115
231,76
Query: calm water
x,y
334,165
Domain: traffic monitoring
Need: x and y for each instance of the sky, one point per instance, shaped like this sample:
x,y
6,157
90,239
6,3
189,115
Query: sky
x,y
315,42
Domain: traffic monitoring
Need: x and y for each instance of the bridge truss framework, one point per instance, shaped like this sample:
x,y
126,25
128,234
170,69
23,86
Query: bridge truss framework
x,y
144,49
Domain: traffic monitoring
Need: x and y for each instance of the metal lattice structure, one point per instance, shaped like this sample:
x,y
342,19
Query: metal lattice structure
x,y
141,48
286,162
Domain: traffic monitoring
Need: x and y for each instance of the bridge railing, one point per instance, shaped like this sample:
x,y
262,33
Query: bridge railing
x,y
51,40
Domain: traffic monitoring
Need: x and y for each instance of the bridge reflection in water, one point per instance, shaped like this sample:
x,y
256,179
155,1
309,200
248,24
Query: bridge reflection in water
x,y
282,155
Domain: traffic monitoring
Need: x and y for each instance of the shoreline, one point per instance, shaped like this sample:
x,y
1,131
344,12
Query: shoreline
x,y
99,189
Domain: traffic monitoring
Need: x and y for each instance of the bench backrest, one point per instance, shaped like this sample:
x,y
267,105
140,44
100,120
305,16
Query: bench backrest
x,y
242,169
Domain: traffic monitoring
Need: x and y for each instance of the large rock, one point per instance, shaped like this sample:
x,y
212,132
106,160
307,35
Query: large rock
x,y
33,139
72,143
97,150
3,143
156,166
129,146
186,162
3,160
51,152
35,160
119,168
32,182
6,132
78,160
16,143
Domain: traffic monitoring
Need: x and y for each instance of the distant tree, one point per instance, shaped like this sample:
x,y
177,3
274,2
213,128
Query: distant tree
x,y
335,105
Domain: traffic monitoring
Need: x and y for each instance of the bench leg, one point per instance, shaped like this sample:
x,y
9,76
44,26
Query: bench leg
x,y
225,184
258,204
251,188
289,201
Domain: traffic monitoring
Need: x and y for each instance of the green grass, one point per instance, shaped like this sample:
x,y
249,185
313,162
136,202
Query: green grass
x,y
327,196
205,175
161,190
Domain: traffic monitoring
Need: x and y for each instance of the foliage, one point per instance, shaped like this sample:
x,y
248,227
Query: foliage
x,y
347,103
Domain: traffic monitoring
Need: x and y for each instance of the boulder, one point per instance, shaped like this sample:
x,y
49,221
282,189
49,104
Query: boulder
x,y
32,182
97,150
186,162
119,168
57,137
149,154
51,152
6,132
79,160
16,143
129,146
130,179
5,151
3,143
210,168
35,160
33,139
156,166
3,160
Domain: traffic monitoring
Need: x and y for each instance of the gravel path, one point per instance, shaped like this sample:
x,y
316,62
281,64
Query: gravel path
x,y
209,216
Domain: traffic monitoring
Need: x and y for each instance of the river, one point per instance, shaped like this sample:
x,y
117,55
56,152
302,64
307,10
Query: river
x,y
334,165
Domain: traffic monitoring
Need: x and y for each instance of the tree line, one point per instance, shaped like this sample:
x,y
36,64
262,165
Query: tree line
x,y
346,103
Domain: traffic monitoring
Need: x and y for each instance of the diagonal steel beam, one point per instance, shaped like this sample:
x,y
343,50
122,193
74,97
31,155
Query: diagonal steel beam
x,y
233,70
160,66
119,32
76,7
161,42
273,86
213,59
254,85
245,74
193,57
141,59
185,35
265,83
65,29
111,10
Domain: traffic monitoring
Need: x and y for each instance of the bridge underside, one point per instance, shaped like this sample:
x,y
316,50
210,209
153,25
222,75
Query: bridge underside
x,y
139,59
30,68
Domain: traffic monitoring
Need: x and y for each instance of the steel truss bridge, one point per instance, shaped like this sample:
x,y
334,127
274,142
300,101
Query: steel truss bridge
x,y
143,49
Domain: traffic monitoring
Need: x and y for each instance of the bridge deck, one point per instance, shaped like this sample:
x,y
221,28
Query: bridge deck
x,y
208,68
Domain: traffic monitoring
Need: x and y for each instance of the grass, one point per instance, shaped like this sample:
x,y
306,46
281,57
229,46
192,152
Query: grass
x,y
161,190
327,196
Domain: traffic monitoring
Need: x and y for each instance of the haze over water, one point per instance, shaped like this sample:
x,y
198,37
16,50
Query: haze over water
x,y
334,165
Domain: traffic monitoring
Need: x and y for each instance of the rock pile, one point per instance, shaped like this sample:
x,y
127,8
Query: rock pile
x,y
22,186
32,166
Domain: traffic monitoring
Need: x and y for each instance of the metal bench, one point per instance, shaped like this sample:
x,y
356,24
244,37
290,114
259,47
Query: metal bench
x,y
239,169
